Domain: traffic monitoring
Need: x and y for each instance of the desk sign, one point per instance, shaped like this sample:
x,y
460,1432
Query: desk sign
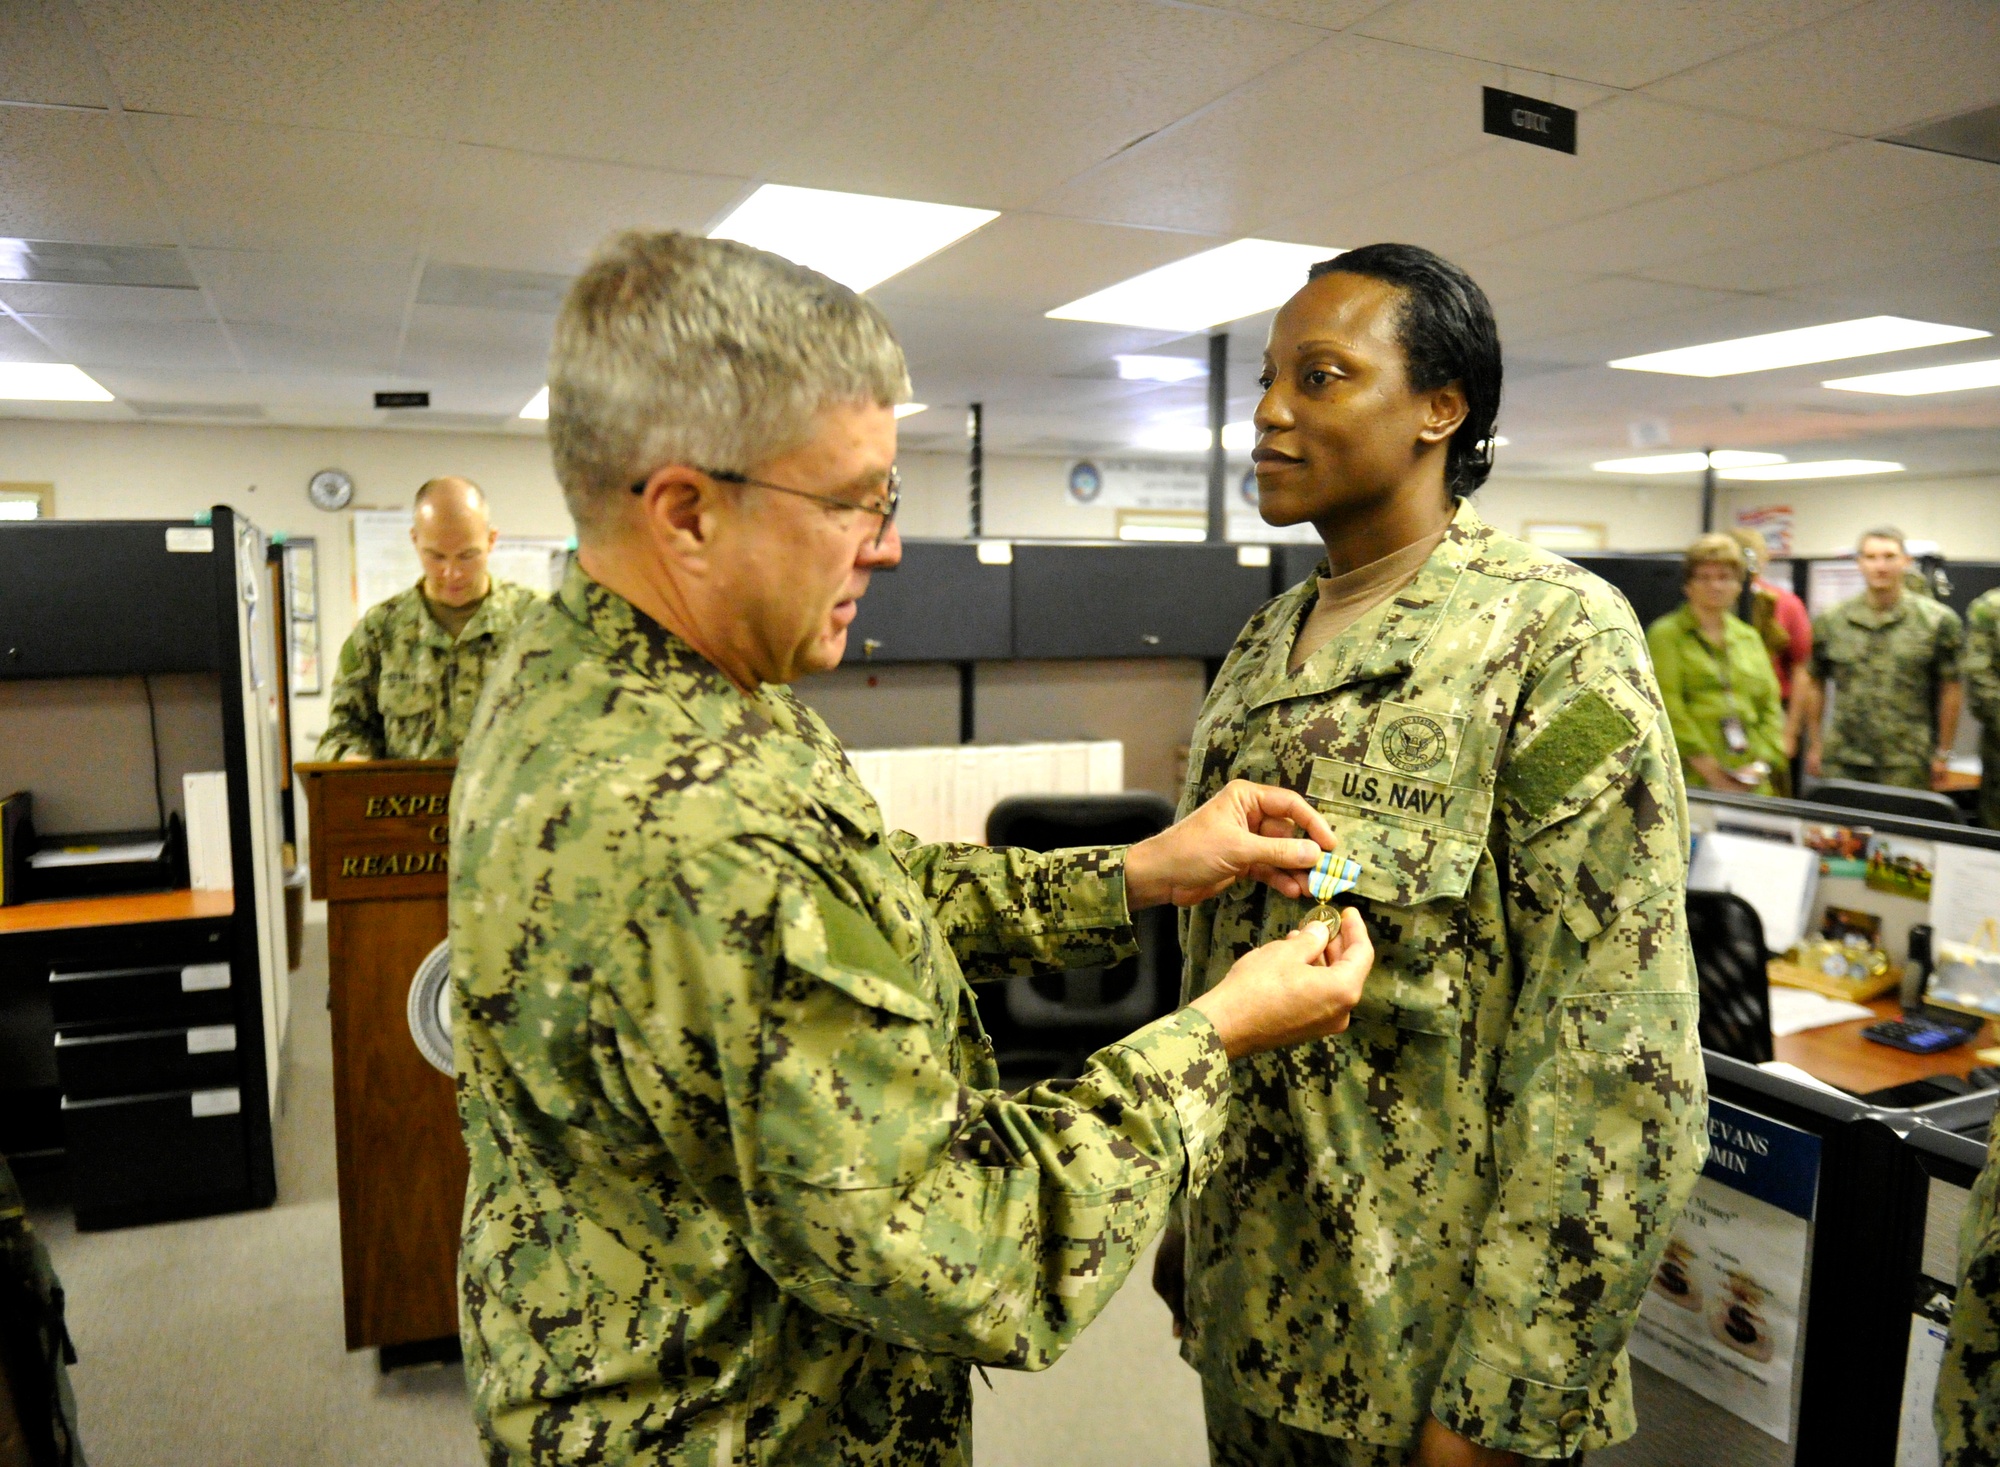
x,y
1530,120
1722,1315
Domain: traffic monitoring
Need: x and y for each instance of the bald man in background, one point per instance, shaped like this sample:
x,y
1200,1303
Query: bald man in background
x,y
412,669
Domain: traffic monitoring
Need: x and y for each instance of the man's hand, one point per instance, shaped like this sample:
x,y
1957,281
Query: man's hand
x,y
1246,830
1440,1446
1297,988
1812,760
1170,1275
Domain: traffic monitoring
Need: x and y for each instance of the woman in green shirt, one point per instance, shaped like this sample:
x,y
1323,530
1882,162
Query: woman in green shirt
x,y
1716,677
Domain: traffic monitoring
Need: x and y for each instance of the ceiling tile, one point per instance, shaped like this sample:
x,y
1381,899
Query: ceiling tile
x,y
1028,264
1328,15
188,345
1598,304
385,66
18,344
1257,157
66,176
1963,289
104,302
40,59
1875,69
306,347
1630,148
941,118
519,211
304,287
1572,37
1852,177
235,185
1831,245
711,86
462,344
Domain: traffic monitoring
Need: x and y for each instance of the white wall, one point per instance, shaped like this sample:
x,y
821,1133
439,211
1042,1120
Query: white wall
x,y
1961,514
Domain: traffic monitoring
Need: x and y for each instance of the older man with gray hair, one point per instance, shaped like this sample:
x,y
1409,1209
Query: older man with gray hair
x,y
743,1185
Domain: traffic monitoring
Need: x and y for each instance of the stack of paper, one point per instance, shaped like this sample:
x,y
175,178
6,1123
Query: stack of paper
x,y
1795,1010
945,794
206,798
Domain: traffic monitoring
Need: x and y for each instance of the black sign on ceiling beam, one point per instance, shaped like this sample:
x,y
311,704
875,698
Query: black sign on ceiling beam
x,y
402,399
1529,120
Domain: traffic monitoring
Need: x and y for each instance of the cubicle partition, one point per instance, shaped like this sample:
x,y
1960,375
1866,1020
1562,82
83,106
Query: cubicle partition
x,y
1799,1315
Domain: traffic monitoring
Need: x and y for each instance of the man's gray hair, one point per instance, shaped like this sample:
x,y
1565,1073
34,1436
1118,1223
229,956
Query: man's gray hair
x,y
673,349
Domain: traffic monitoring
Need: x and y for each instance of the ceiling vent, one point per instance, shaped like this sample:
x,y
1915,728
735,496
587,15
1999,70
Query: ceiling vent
x,y
238,410
1969,135
491,290
51,263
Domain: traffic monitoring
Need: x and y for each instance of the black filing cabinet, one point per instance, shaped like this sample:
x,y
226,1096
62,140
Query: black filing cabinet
x,y
149,1056
1123,600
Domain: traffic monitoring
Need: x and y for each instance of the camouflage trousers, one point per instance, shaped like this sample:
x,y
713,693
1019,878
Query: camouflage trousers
x,y
1906,776
1238,1437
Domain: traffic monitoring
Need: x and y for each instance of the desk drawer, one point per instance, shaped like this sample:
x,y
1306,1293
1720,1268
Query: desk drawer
x,y
185,994
154,1155
96,1066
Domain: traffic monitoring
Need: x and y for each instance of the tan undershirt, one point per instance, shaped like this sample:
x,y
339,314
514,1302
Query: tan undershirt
x,y
454,618
1345,599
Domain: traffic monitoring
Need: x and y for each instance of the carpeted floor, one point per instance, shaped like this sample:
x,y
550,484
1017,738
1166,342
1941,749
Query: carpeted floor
x,y
217,1342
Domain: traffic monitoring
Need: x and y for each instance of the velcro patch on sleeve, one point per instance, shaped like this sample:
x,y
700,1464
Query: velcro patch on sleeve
x,y
1579,739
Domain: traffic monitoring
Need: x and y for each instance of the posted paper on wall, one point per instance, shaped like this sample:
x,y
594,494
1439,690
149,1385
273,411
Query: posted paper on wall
x,y
1722,1314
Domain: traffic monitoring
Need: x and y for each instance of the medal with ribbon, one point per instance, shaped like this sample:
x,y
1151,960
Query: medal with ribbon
x,y
1333,876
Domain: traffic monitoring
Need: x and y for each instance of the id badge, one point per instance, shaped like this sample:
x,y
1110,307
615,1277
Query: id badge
x,y
1733,736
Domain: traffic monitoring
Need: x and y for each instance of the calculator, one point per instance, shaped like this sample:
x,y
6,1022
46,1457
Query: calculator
x,y
1924,1031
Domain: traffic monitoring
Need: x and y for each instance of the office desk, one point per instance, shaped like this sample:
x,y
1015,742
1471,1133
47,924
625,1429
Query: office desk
x,y
1840,1056
115,911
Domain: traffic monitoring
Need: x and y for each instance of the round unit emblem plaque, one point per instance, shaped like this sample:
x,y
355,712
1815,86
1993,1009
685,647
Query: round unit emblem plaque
x,y
1413,743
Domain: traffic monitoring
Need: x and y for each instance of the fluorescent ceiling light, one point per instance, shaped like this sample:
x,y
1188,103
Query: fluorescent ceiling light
x,y
858,239
1224,284
1829,343
911,409
1827,468
1500,441
1179,534
19,509
1686,463
48,382
538,405
1188,438
1960,377
1160,369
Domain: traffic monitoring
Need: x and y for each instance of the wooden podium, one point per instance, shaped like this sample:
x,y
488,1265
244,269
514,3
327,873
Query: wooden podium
x,y
380,838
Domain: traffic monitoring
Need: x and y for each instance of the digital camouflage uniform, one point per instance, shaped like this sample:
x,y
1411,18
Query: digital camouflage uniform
x,y
1885,668
742,1186
1981,667
1454,1207
1968,1394
406,687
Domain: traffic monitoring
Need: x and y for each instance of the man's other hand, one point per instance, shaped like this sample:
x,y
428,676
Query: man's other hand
x,y
1440,1446
1247,830
1297,988
1170,1275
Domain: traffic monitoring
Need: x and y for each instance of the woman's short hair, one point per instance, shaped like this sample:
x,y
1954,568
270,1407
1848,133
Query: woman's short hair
x,y
671,348
1713,549
1448,334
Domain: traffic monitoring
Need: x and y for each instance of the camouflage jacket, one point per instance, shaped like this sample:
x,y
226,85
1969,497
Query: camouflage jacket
x,y
743,1188
406,687
1885,668
1454,1208
1981,668
1967,1412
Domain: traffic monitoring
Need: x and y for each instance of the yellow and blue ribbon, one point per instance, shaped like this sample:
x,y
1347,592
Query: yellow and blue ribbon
x,y
1333,876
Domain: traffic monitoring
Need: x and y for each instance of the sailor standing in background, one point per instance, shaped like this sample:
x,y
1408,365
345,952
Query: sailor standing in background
x,y
411,671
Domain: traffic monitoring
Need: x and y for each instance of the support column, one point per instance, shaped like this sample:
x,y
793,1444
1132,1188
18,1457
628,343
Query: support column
x,y
1708,491
975,469
1218,409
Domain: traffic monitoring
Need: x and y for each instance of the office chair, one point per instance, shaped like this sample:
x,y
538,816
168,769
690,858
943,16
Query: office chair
x,y
1046,1026
1886,799
1730,966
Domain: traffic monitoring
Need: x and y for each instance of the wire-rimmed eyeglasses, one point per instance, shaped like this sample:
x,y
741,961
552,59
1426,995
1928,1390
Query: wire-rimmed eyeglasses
x,y
885,509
